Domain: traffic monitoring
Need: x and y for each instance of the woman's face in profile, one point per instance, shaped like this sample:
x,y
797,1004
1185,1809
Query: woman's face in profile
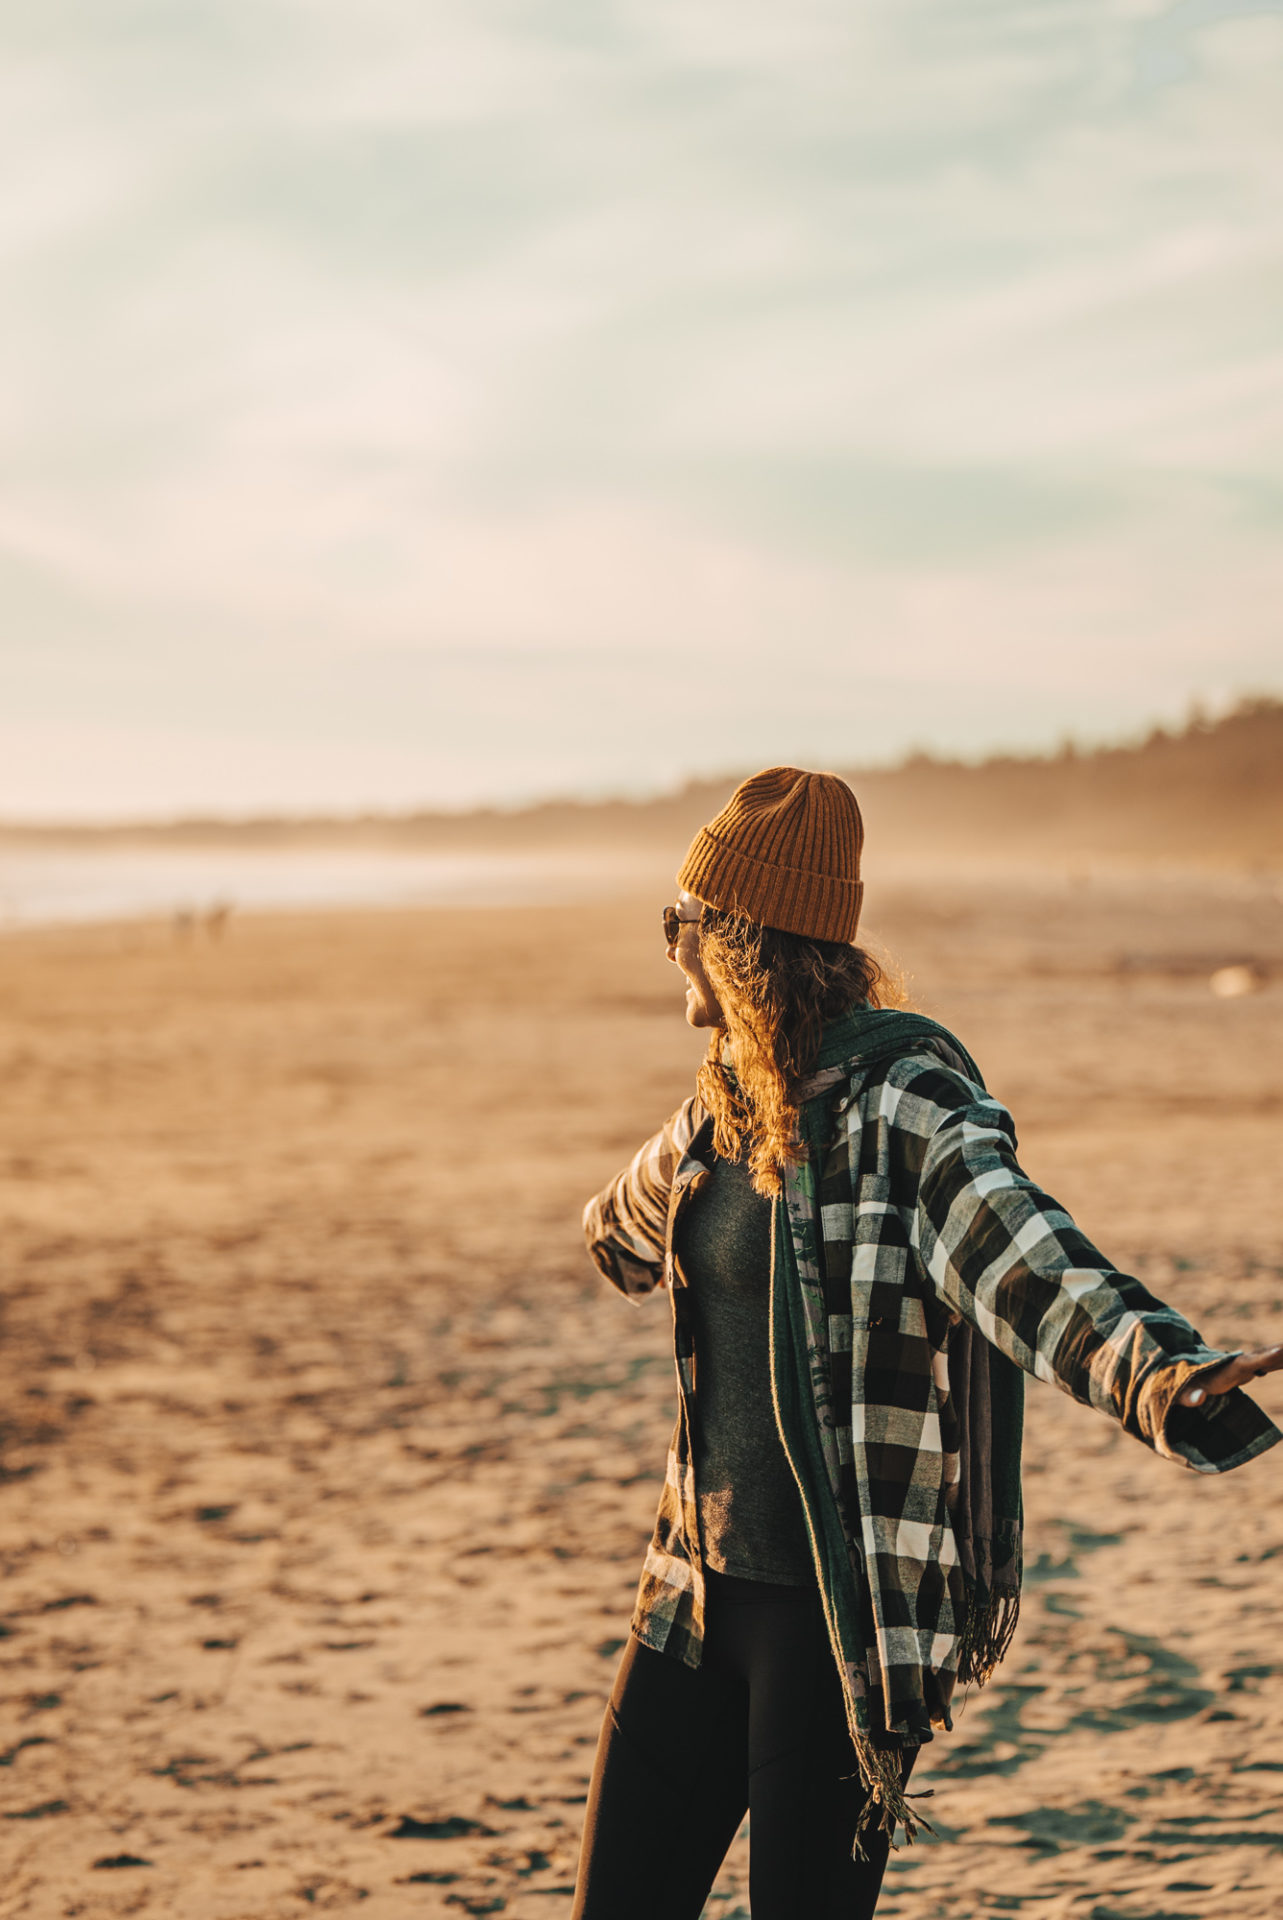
x,y
702,1009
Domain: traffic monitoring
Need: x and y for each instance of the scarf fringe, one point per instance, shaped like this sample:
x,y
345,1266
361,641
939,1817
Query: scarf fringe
x,y
987,1633
887,1805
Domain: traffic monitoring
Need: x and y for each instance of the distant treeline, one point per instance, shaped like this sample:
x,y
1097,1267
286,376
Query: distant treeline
x,y
1209,791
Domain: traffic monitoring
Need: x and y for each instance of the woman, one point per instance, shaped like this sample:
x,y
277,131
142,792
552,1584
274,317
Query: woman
x,y
860,1277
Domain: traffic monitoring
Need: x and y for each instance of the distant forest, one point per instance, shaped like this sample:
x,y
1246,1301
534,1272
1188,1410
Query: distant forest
x,y
1211,791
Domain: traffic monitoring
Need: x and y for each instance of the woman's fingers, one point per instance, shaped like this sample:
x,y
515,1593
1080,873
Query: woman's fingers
x,y
1246,1366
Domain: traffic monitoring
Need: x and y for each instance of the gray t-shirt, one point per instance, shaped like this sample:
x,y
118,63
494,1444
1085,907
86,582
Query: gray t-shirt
x,y
750,1512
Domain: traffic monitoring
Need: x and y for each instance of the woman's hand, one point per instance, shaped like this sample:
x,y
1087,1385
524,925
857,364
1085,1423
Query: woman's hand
x,y
1248,1366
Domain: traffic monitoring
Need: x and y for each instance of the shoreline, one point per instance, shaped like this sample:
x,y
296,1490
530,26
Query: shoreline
x,y
134,889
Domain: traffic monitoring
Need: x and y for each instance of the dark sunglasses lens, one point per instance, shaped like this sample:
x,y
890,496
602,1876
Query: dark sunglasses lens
x,y
671,924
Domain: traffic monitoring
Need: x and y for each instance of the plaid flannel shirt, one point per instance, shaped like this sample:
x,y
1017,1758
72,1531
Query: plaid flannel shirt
x,y
908,1212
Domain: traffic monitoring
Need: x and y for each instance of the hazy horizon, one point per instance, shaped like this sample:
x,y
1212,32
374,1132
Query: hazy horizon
x,y
605,795
447,407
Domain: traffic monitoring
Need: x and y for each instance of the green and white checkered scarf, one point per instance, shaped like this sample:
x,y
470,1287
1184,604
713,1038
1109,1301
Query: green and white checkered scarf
x,y
985,1392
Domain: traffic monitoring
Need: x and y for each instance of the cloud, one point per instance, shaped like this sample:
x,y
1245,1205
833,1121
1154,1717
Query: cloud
x,y
417,336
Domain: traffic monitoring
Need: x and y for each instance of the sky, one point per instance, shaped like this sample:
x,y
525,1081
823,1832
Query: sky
x,y
432,402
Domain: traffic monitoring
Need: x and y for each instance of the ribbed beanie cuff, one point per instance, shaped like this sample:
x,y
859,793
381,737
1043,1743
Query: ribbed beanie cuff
x,y
785,850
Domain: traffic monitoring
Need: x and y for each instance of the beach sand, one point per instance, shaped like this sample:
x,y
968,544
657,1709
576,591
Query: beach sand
x,y
329,1461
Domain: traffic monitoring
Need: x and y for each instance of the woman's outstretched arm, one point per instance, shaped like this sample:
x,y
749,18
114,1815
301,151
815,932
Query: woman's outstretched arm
x,y
1012,1261
626,1224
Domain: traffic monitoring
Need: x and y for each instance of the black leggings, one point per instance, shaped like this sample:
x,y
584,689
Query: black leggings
x,y
684,1752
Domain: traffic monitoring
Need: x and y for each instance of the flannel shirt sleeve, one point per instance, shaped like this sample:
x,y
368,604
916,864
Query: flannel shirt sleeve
x,y
626,1224
1011,1261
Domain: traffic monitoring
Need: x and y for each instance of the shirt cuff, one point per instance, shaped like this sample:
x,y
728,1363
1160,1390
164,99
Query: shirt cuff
x,y
1225,1431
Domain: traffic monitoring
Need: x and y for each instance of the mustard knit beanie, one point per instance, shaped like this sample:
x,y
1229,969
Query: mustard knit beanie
x,y
785,849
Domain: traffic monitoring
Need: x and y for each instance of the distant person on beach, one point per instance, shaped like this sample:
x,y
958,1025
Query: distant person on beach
x,y
860,1277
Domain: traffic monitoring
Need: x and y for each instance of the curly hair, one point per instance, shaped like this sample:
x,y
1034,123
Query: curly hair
x,y
776,991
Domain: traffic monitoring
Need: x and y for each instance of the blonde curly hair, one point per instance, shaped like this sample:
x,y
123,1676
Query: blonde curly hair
x,y
776,991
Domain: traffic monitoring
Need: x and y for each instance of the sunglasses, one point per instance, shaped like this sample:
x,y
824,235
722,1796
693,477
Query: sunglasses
x,y
674,921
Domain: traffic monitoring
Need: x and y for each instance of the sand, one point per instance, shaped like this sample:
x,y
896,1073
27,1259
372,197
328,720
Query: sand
x,y
329,1462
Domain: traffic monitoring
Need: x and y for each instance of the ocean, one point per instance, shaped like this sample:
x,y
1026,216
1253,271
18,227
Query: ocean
x,y
40,886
